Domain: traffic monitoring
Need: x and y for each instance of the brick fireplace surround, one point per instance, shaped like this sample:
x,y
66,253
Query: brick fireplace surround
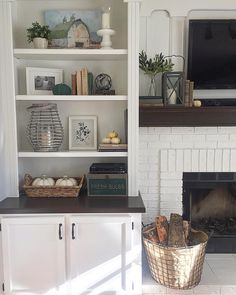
x,y
165,153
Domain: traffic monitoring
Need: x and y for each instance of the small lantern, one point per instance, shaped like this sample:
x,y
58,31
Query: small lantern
x,y
173,88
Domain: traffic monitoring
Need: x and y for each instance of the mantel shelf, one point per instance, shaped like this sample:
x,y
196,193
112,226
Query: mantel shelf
x,y
71,97
152,116
71,154
70,54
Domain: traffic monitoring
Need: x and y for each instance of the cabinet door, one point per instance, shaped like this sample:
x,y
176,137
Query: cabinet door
x,y
33,255
99,253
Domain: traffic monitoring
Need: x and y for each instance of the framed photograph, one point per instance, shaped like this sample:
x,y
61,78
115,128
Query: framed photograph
x,y
40,81
74,28
83,132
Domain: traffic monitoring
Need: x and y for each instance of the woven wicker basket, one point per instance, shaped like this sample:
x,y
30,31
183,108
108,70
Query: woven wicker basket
x,y
177,268
52,191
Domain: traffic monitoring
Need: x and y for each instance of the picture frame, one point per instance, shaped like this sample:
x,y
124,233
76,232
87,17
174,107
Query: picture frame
x,y
83,132
74,28
40,81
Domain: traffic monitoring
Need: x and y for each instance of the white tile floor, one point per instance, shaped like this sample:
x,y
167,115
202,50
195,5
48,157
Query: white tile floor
x,y
218,277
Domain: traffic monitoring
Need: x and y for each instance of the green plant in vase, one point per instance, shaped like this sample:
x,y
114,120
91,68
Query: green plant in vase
x,y
39,35
153,66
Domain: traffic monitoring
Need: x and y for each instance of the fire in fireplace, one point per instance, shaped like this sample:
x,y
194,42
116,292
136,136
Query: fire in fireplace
x,y
209,202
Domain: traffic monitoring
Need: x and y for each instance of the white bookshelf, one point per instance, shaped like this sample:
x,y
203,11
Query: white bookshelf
x,y
70,54
72,154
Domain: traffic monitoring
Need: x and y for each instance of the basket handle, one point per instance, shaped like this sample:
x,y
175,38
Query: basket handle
x,y
28,179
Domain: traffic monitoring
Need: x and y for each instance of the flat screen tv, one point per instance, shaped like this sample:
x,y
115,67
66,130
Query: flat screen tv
x,y
212,54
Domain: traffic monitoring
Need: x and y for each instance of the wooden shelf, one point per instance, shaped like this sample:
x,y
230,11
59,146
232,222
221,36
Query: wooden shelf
x,y
72,154
71,97
70,54
153,116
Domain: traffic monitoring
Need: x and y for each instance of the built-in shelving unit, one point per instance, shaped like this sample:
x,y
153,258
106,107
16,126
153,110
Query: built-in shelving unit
x,y
72,154
70,54
71,97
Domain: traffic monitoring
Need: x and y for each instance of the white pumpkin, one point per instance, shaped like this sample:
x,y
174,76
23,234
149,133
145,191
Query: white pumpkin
x,y
112,134
66,181
115,140
43,181
106,140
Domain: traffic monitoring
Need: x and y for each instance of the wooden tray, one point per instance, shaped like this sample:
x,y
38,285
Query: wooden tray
x,y
52,191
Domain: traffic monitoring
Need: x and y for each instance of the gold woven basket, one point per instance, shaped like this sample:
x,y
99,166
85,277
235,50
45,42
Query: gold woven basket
x,y
52,191
176,268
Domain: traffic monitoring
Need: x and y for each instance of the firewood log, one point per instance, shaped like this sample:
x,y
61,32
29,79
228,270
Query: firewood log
x,y
151,235
162,229
176,232
186,228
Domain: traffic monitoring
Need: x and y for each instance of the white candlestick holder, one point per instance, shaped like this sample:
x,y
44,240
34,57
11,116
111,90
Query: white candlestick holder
x,y
106,37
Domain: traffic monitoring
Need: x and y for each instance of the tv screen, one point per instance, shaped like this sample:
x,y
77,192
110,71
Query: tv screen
x,y
212,54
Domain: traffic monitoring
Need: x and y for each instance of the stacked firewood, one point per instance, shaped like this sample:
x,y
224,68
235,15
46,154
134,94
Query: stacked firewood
x,y
175,233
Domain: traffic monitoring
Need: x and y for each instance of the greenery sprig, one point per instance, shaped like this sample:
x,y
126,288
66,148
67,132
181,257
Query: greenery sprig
x,y
38,31
153,66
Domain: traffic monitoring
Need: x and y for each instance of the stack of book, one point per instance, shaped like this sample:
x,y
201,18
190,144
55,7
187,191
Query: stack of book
x,y
188,94
82,82
110,147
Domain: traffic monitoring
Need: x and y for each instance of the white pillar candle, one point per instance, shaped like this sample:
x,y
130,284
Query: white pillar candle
x,y
171,96
106,20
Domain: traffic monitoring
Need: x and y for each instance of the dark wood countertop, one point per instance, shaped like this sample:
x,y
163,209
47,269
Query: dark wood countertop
x,y
82,204
187,116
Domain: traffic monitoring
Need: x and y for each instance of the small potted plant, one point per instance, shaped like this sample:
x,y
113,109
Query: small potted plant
x,y
39,35
152,66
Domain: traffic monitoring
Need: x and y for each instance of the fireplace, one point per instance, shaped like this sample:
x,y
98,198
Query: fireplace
x,y
209,202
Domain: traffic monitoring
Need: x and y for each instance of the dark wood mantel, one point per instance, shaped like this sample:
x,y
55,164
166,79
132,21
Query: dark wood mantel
x,y
154,116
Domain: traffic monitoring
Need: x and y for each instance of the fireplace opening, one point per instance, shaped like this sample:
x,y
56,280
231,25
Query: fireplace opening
x,y
209,202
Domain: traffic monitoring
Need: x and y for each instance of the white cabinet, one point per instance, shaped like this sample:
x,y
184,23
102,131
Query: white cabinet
x,y
33,254
99,250
70,254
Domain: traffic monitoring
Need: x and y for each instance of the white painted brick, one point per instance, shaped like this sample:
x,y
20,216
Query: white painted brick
x,y
187,161
143,175
202,160
146,167
205,145
232,136
154,189
217,137
228,290
228,144
153,159
182,145
195,160
170,190
167,212
167,205
164,161
172,197
210,160
152,152
218,160
226,160
233,161
143,130
159,130
205,130
143,146
143,189
171,137
171,160
179,161
171,175
182,130
193,137
152,175
227,130
171,183
159,144
148,137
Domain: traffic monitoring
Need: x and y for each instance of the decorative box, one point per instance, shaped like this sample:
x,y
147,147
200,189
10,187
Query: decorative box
x,y
107,184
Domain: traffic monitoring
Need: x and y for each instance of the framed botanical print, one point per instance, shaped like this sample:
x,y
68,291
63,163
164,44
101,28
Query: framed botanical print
x,y
83,132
